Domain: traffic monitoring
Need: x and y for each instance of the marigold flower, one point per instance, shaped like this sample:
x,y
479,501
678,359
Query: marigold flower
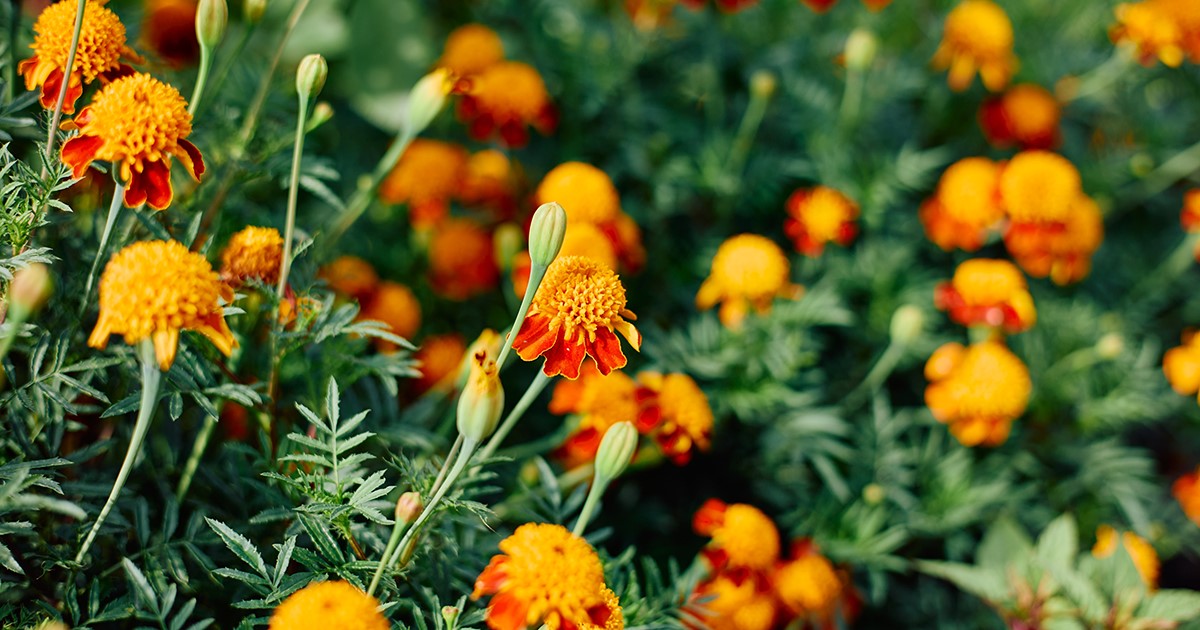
x,y
818,216
329,606
545,574
169,30
492,181
138,123
1026,115
1039,187
747,271
600,401
988,292
742,536
1190,217
350,276
1063,252
395,305
1181,365
966,206
584,191
101,48
977,390
676,411
471,49
737,603
1156,29
649,14
1145,559
426,177
440,358
255,253
153,290
576,311
1186,490
616,617
504,99
808,584
461,262
978,37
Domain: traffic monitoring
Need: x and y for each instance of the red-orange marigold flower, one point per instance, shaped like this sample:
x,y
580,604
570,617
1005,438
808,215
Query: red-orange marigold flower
x,y
676,412
471,49
1061,251
1025,115
987,292
1181,365
1190,216
329,606
492,180
461,263
977,390
254,253
748,271
978,36
504,99
395,305
440,357
169,30
742,536
1167,30
1186,490
812,588
818,216
737,602
966,206
600,401
425,177
350,276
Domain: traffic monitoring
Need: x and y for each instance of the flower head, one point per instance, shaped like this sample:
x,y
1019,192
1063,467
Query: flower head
x,y
966,206
577,310
1039,187
1145,559
676,412
491,181
395,305
461,263
818,216
1155,29
1026,115
978,37
426,177
600,401
329,606
1186,490
169,31
255,253
584,191
585,239
504,99
742,536
1181,365
155,289
808,584
1061,251
350,276
101,48
988,292
1190,217
545,574
977,390
747,271
616,617
737,603
440,357
471,49
138,123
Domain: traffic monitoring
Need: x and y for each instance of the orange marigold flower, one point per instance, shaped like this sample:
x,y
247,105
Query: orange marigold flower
x,y
1145,559
504,99
440,358
742,536
966,206
978,37
545,575
491,180
1186,490
1190,217
169,29
101,48
737,603
395,305
1181,365
138,123
1039,187
584,191
809,585
977,390
1026,115
255,253
1154,28
585,239
471,49
461,263
329,606
155,289
1062,252
350,276
600,401
426,177
650,14
747,271
576,312
818,216
987,292
616,617
676,412
627,236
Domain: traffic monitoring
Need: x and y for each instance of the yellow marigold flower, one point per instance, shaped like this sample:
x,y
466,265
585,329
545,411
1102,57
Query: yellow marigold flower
x,y
101,48
1039,187
978,37
440,358
1145,559
742,536
676,412
616,617
818,216
1181,365
395,305
1062,252
988,292
737,604
491,180
545,575
471,49
138,123
747,271
426,177
600,401
1153,29
350,276
978,391
461,262
169,30
966,206
329,606
1186,490
585,239
153,290
504,99
576,313
1026,115
584,191
809,585
255,253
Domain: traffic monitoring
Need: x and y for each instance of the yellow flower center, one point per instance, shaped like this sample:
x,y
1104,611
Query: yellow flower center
x,y
750,265
255,252
584,191
808,584
553,571
684,404
511,90
101,41
138,117
328,605
581,295
983,282
824,213
748,537
470,49
967,191
981,27
1039,186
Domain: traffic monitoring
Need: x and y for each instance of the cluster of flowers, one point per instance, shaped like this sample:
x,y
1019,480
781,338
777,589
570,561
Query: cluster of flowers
x,y
1167,30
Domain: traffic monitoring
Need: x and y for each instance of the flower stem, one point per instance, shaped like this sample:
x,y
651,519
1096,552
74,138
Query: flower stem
x,y
114,210
193,462
201,80
464,456
10,71
539,383
851,97
293,190
756,109
52,133
589,506
151,379
264,87
536,273
398,529
367,187
450,458
879,372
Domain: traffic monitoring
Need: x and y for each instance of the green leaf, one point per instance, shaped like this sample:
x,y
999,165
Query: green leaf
x,y
987,584
1003,541
1059,543
1170,605
240,546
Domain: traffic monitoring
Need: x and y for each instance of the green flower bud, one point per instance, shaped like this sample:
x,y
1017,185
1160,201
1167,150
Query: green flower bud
x,y
322,112
907,324
616,450
546,233
481,401
763,84
507,242
310,77
408,507
1110,346
450,615
29,289
874,494
211,18
427,98
861,47
253,10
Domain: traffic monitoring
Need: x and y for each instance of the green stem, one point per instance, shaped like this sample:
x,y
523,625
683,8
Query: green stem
x,y
151,378
851,97
366,189
1179,166
536,273
589,506
114,210
747,130
201,80
535,387
1178,262
218,79
464,456
399,528
1101,77
193,462
450,458
264,87
293,191
879,372
52,133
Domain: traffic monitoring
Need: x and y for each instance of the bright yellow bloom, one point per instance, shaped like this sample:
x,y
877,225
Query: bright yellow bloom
x,y
329,606
676,412
491,180
461,260
350,276
471,49
737,604
1026,115
1164,29
584,191
818,216
426,177
988,292
153,290
1039,187
1181,365
1145,559
809,585
504,99
589,241
1186,490
395,305
978,37
742,536
977,390
440,357
966,207
600,401
747,271
255,253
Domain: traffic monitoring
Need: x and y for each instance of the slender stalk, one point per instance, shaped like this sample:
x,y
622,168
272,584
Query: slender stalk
x,y
151,379
114,210
289,229
264,87
536,273
756,109
366,189
1175,264
218,79
10,71
394,541
52,133
193,462
851,97
464,456
589,506
201,80
539,383
450,458
879,372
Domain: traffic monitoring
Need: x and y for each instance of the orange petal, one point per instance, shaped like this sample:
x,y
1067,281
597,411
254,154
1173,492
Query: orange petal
x,y
166,344
709,517
191,159
565,357
606,350
491,578
507,612
79,152
534,338
156,177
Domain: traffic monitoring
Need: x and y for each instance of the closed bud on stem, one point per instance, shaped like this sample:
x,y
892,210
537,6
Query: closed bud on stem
x,y
616,450
427,98
409,507
253,10
211,18
310,77
907,323
489,342
861,47
546,233
29,289
874,494
763,84
1110,346
482,399
322,112
450,616
507,242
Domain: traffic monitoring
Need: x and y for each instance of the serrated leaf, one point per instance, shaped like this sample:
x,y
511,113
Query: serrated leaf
x,y
283,560
240,546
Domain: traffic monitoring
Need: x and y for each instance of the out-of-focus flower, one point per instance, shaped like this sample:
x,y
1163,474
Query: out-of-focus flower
x,y
1190,216
600,401
650,14
169,30
156,289
395,305
977,390
350,276
748,271
544,575
737,603
966,206
505,99
492,181
255,253
818,216
426,178
821,6
1181,365
1167,30
990,293
138,123
811,587
1145,559
742,536
1025,115
99,55
978,37
461,263
440,357
577,311
616,617
1064,254
1039,187
584,191
1186,490
676,412
471,49
329,606
29,290
585,239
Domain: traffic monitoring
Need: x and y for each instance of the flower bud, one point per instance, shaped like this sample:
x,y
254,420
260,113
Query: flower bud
x,y
408,507
427,98
616,450
211,18
450,615
481,401
488,341
322,112
546,233
907,323
1110,346
310,77
874,494
253,10
763,84
30,288
861,47
507,242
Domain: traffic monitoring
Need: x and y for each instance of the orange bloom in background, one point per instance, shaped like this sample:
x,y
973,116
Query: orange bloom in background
x,y
1181,365
504,100
966,206
1166,30
585,239
156,289
1145,559
329,606
737,604
545,575
748,271
818,216
821,6
588,196
461,262
1186,490
169,29
491,181
1190,216
650,14
471,49
440,357
978,390
395,305
577,312
978,37
987,292
98,57
426,177
255,253
600,401
742,536
1025,115
676,412
812,589
350,276
1064,254
1039,187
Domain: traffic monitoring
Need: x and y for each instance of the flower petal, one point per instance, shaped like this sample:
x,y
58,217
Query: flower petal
x,y
79,152
507,612
606,350
534,338
565,357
